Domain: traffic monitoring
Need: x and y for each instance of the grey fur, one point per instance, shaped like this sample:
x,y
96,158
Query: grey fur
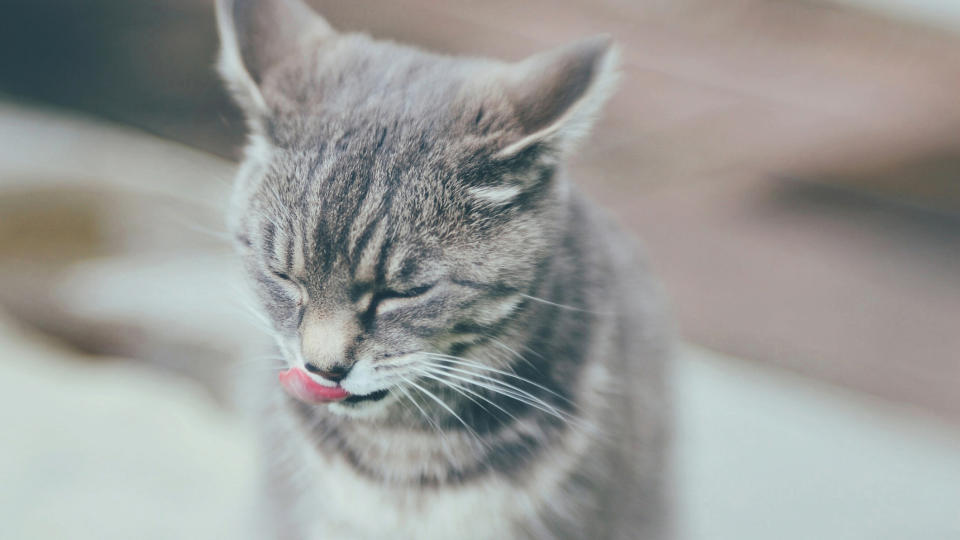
x,y
396,202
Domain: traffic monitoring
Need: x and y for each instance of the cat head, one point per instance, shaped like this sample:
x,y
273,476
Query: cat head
x,y
395,204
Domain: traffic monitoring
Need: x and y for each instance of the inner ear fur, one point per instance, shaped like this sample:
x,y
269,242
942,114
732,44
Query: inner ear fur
x,y
557,95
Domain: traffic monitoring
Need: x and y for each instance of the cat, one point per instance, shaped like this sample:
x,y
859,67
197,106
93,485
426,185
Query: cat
x,y
469,348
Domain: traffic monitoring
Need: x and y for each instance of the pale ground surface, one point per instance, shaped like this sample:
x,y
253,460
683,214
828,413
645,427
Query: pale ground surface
x,y
765,454
100,449
114,451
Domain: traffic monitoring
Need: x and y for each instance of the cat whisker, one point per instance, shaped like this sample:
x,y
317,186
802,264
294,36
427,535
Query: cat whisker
x,y
502,388
257,318
534,352
506,347
446,407
464,362
516,397
443,436
178,218
467,393
222,236
563,306
172,199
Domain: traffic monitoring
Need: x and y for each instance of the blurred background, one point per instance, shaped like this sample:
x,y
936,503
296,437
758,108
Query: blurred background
x,y
792,166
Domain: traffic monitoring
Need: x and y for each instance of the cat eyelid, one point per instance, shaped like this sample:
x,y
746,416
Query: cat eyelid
x,y
287,279
389,299
408,293
281,275
289,282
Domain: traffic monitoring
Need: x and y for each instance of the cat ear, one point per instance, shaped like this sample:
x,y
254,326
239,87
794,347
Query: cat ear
x,y
557,95
257,34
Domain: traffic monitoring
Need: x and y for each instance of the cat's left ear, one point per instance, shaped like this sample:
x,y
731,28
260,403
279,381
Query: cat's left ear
x,y
557,95
255,35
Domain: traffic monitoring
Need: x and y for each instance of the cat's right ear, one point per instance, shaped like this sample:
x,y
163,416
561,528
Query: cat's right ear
x,y
557,95
257,34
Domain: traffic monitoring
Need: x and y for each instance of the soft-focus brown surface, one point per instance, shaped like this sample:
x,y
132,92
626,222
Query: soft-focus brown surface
x,y
792,166
827,283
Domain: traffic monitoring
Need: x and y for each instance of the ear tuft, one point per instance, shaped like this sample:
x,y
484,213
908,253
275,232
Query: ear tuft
x,y
257,34
557,95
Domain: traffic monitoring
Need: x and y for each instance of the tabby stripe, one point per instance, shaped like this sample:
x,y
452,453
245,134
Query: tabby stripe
x,y
269,233
360,245
380,274
343,223
288,256
322,241
356,254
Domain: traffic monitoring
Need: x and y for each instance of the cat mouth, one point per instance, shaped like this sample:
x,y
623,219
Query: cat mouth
x,y
301,386
371,397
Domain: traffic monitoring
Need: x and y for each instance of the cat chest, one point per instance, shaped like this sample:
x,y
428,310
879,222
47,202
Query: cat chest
x,y
346,505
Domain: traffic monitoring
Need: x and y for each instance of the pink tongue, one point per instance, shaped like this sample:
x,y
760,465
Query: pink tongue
x,y
299,385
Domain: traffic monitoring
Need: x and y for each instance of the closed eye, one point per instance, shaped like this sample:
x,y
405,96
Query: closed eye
x,y
409,293
390,299
290,284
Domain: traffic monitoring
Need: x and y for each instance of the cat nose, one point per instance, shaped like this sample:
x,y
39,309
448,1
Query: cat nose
x,y
333,373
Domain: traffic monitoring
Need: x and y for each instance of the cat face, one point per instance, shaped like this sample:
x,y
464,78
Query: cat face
x,y
362,267
394,206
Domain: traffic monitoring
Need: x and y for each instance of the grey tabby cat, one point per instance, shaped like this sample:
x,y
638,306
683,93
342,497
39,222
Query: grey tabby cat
x,y
471,349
